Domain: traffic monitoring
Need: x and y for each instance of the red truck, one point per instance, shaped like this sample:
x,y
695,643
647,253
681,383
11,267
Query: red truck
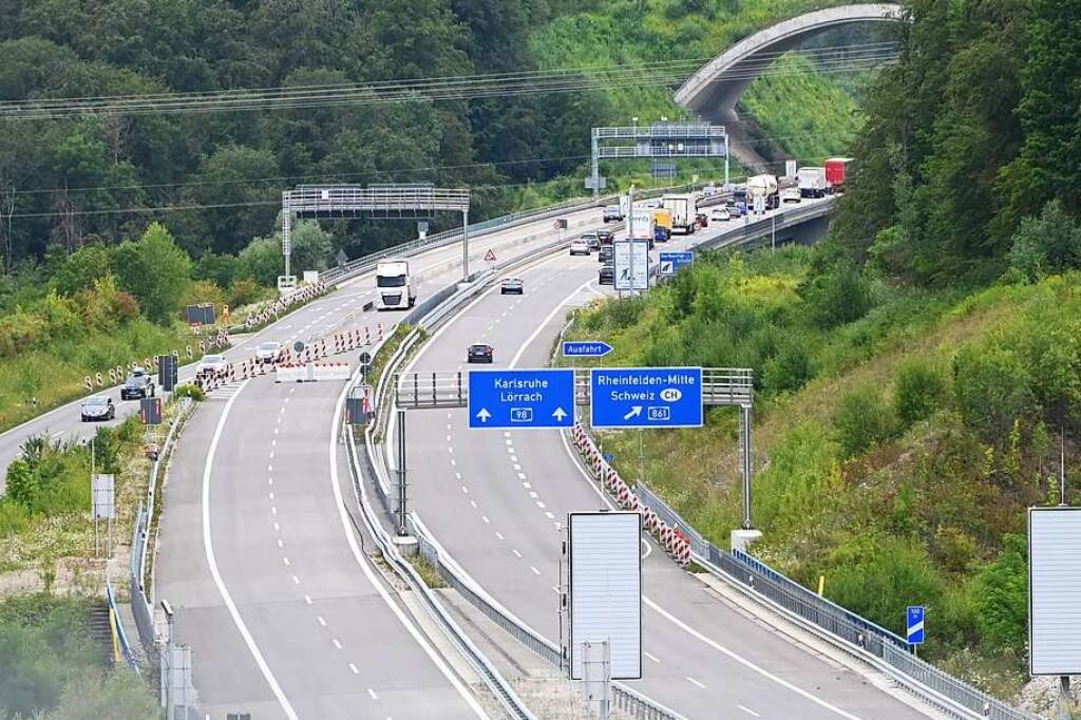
x,y
836,169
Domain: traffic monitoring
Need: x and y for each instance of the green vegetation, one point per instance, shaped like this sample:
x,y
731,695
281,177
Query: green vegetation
x,y
51,667
896,452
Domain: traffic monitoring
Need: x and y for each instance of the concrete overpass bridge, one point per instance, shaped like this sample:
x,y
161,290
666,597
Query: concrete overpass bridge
x,y
713,91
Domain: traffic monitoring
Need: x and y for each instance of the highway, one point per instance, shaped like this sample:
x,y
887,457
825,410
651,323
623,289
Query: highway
x,y
270,584
495,500
315,319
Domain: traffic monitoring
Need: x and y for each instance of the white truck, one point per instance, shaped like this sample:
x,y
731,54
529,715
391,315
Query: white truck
x,y
684,207
640,224
396,285
764,186
812,182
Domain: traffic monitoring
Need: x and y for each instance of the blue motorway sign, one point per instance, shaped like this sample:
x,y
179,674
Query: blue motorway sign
x,y
671,262
914,624
521,398
586,348
645,397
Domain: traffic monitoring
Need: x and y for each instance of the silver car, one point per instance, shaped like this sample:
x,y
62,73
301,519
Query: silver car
x,y
97,407
212,365
268,352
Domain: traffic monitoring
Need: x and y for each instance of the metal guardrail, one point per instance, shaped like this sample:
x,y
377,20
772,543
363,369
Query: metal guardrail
x,y
857,635
142,605
117,628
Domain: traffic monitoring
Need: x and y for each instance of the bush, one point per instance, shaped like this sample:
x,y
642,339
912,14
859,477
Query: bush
x,y
837,297
1050,243
195,392
991,388
790,369
1002,597
244,292
862,420
917,392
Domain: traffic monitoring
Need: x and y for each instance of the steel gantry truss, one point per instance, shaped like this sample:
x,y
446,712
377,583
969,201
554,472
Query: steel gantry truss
x,y
721,387
413,202
668,140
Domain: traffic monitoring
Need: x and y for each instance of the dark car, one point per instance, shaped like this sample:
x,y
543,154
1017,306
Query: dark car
x,y
138,385
702,220
607,275
607,237
606,255
98,407
480,353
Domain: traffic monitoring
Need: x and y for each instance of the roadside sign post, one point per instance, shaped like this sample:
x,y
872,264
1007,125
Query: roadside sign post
x,y
585,348
646,397
672,262
521,398
914,626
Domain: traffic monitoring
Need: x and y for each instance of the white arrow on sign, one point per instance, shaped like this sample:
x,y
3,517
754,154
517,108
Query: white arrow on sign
x,y
484,415
559,414
636,410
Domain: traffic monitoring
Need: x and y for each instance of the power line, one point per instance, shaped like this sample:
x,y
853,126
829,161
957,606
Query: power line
x,y
830,60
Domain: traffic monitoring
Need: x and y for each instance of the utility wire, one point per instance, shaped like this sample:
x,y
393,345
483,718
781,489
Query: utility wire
x,y
441,89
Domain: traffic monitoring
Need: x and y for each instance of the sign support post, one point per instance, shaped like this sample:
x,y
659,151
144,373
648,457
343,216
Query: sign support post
x,y
402,499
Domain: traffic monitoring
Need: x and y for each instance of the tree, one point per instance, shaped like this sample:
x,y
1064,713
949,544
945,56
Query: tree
x,y
1050,243
155,271
80,270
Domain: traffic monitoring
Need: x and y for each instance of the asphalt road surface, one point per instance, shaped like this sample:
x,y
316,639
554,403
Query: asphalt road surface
x,y
495,500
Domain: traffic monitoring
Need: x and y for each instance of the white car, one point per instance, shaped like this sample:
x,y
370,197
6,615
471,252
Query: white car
x,y
212,364
720,214
580,247
267,352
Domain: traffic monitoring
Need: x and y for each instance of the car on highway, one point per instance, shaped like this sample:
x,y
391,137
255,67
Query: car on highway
x,y
607,254
580,247
480,353
138,385
212,365
268,352
512,286
613,213
720,214
701,220
607,275
97,407
607,237
593,240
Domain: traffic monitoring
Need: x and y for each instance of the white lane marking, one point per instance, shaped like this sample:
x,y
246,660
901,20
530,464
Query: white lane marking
x,y
473,503
270,468
450,449
372,694
277,430
448,438
506,433
281,543
321,621
271,454
286,561
509,442
273,510
548,514
517,466
271,496
540,505
691,679
336,643
485,518
516,553
277,527
273,443
212,563
58,434
745,662
308,599
339,501
533,494
521,476
457,475
699,636
499,535
453,462
747,710
651,656
286,401
465,489
354,669
544,323
514,458
535,570
526,485
270,481
296,580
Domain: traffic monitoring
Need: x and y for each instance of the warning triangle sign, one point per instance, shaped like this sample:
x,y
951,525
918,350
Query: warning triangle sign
x,y
489,256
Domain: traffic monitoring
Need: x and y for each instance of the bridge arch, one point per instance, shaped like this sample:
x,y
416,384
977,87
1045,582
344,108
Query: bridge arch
x,y
713,91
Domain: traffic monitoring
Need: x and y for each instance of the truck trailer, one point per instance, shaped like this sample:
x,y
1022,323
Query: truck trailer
x,y
812,182
684,207
837,170
764,186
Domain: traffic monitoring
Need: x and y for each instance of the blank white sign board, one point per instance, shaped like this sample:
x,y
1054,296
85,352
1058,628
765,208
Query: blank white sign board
x,y
605,588
1054,590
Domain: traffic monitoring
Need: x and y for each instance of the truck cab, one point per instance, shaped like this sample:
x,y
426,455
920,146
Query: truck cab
x,y
396,285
